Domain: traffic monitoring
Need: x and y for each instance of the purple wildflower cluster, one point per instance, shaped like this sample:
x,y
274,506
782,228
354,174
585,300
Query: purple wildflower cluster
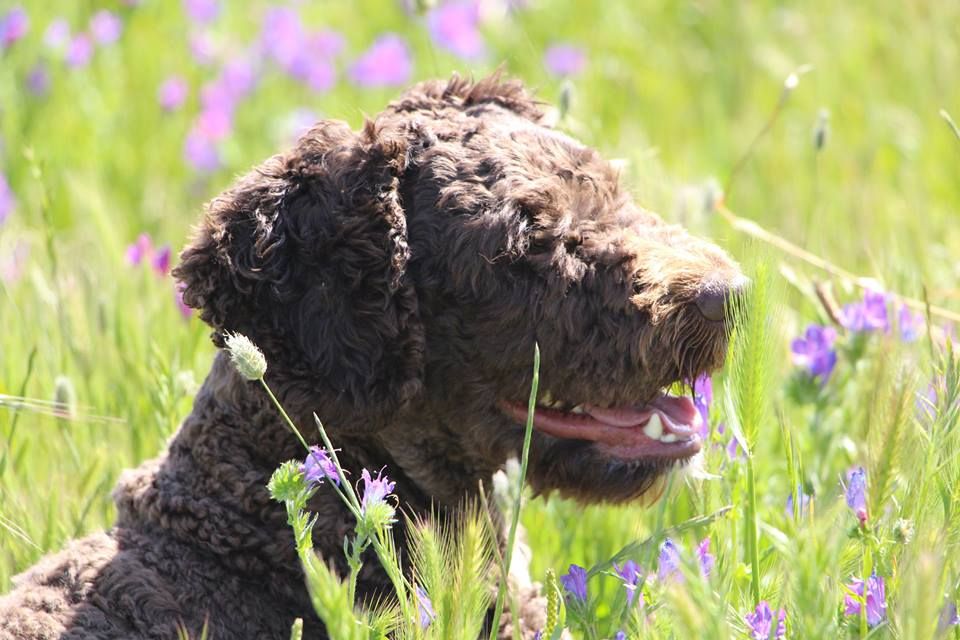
x,y
702,389
142,251
814,351
575,583
319,467
804,502
564,60
14,25
77,49
761,623
7,202
375,490
424,608
855,493
875,599
454,26
669,561
872,314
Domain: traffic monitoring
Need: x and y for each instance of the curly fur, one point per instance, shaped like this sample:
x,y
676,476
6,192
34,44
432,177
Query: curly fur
x,y
396,278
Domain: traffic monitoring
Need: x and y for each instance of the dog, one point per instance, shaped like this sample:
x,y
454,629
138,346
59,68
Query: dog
x,y
397,279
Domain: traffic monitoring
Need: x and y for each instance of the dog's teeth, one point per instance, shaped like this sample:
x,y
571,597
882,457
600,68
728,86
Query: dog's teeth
x,y
578,409
668,438
546,400
654,428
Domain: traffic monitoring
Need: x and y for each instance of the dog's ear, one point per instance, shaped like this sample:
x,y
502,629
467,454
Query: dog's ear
x,y
307,255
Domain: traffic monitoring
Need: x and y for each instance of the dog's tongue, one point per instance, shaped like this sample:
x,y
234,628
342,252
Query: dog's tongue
x,y
678,414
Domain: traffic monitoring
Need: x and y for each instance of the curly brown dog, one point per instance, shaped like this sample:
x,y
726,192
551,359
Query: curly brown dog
x,y
397,279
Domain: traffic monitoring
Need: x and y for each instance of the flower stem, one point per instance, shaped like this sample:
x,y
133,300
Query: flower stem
x,y
524,459
752,531
283,413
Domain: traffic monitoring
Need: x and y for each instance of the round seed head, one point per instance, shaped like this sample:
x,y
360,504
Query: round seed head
x,y
246,357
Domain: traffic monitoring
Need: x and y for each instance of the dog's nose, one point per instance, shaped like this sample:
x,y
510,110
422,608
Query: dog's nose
x,y
716,295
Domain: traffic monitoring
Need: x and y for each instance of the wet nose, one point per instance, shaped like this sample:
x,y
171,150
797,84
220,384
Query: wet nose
x,y
715,296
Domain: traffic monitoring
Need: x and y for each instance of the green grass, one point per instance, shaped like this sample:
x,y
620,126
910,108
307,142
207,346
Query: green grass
x,y
679,92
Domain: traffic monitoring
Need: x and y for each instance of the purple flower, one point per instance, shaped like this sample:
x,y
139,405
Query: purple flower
x,y
282,35
105,27
734,452
214,123
38,80
702,399
201,152
876,599
161,260
79,51
57,35
705,558
454,26
668,567
202,11
140,250
313,63
318,466
620,635
375,490
948,618
239,77
7,201
868,315
815,351
804,502
172,93
631,575
564,59
761,623
575,583
13,26
856,493
909,323
424,608
182,307
387,62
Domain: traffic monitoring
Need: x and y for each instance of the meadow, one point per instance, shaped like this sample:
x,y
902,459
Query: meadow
x,y
813,141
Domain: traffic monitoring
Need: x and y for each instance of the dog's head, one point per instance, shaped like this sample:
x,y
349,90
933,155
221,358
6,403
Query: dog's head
x,y
397,279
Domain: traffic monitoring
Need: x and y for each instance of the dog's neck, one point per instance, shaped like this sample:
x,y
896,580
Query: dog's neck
x,y
209,488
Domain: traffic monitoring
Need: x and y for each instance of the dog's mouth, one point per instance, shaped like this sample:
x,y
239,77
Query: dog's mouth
x,y
666,428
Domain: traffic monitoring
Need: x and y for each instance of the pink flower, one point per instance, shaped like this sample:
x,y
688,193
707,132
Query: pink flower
x,y
172,93
185,311
387,62
202,10
564,60
80,51
454,26
105,27
7,201
13,25
140,250
201,152
161,260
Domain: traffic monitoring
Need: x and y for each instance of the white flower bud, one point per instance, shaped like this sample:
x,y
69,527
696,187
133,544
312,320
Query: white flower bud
x,y
246,357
